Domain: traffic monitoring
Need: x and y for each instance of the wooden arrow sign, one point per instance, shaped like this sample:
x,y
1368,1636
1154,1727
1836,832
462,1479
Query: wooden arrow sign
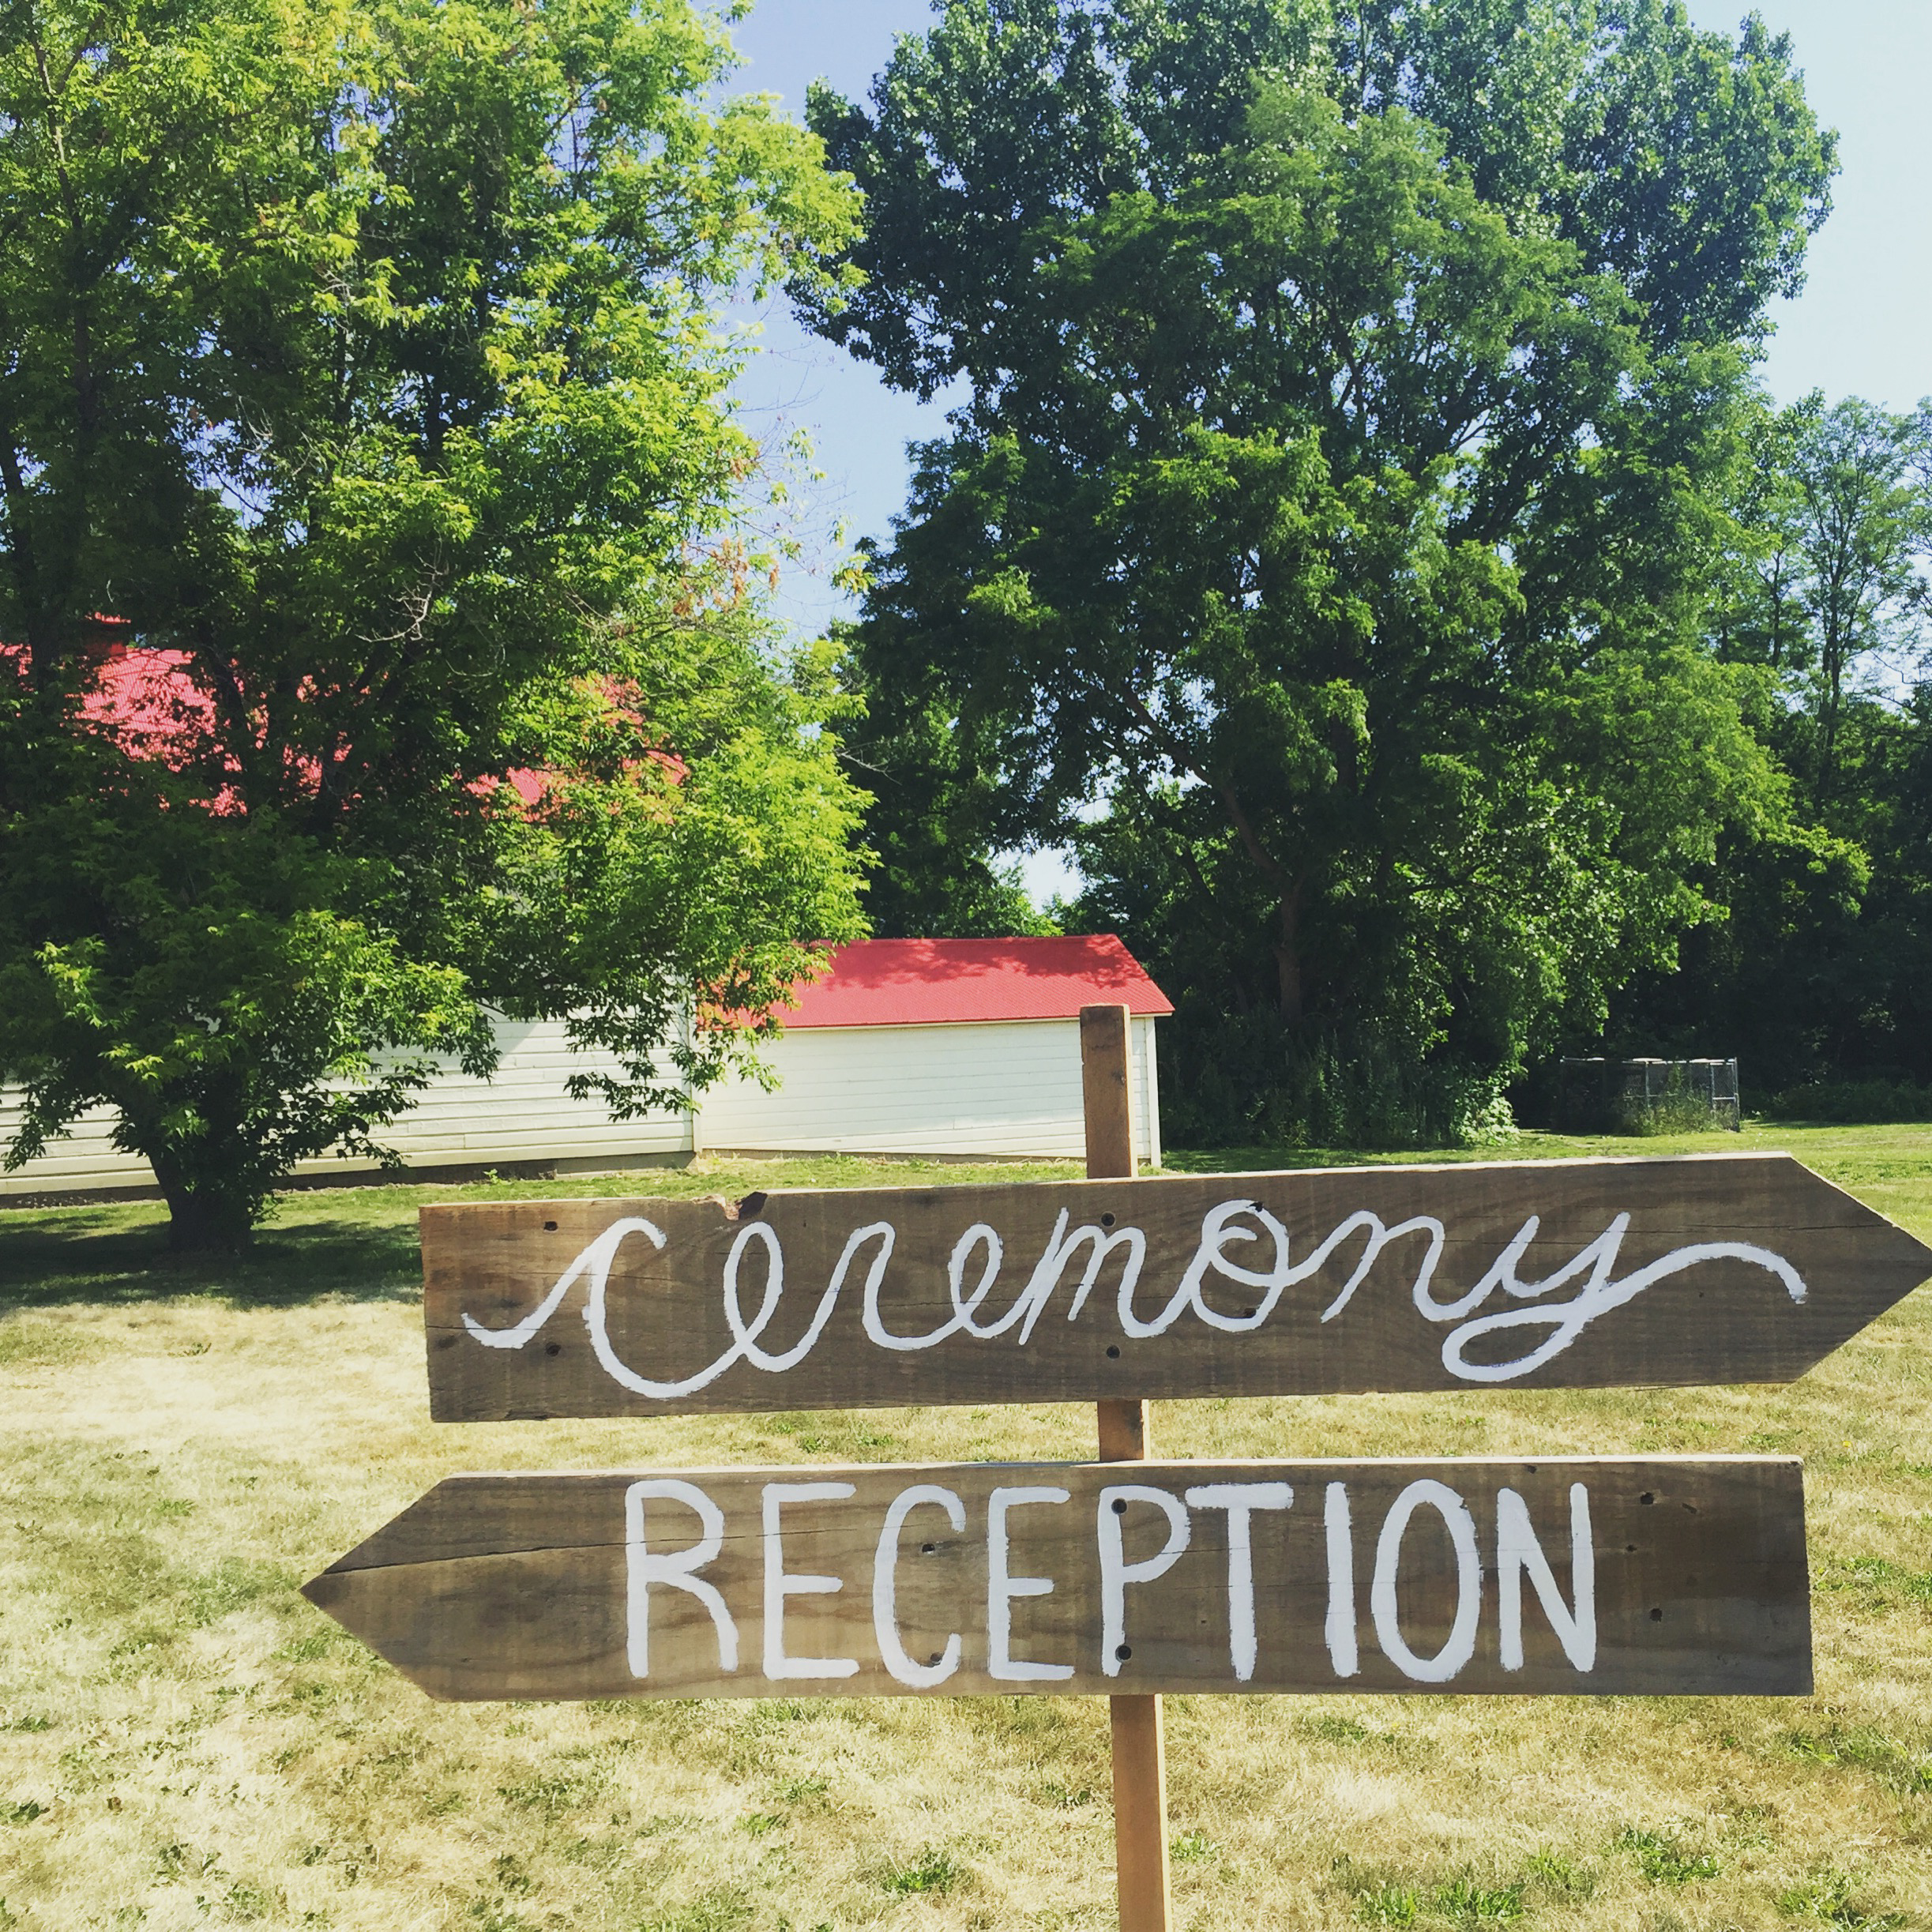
x,y
1535,1274
1662,1575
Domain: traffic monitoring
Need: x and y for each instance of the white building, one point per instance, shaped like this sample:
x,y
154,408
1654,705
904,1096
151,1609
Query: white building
x,y
961,1047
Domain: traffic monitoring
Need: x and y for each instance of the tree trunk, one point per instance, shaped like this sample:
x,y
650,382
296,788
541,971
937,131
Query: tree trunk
x,y
201,1219
1288,957
1287,944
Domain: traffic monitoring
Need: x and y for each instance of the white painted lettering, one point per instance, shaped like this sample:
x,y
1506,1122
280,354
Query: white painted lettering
x,y
1340,1628
1460,1646
885,1588
1240,1500
1566,1321
676,1568
1002,1587
1059,1252
1517,1549
1229,1225
1117,1573
980,1234
778,1585
745,1340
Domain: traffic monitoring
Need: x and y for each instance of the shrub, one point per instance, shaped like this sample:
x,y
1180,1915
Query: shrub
x,y
1864,1102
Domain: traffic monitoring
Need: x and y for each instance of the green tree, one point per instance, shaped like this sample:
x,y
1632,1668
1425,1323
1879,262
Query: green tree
x,y
1336,499
364,361
1818,971
1866,525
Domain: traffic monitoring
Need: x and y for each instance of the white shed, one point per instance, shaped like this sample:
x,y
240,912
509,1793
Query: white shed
x,y
961,1047
967,1047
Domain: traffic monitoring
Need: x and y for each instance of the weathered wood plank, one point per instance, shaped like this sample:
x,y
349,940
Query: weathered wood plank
x,y
1539,1274
1666,1575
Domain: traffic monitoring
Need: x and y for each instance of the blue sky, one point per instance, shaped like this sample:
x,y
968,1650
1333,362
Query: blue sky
x,y
1860,328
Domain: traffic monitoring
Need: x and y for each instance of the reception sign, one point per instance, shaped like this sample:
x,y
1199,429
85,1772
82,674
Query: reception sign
x,y
1657,1575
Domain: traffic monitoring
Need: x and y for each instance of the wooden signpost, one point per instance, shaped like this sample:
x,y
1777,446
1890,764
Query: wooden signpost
x,y
1137,1727
1661,1575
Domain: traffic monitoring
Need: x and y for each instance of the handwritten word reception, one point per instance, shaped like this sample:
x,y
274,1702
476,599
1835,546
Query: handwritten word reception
x,y
1709,1269
1666,1574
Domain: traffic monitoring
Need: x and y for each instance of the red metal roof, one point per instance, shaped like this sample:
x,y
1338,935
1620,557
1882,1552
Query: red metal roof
x,y
933,982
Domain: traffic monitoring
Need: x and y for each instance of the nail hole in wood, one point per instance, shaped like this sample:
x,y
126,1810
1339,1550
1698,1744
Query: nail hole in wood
x,y
1656,1616
1123,1652
1647,1496
1113,1353
550,1227
1120,1505
554,1348
1106,1220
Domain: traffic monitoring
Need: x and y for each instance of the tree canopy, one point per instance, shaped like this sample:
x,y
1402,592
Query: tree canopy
x,y
1820,970
1326,529
364,363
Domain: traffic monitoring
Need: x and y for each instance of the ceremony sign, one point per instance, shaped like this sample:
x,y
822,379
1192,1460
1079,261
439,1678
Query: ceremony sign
x,y
1535,1274
1668,1575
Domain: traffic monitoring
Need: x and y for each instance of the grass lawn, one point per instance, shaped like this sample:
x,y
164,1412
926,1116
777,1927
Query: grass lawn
x,y
184,1742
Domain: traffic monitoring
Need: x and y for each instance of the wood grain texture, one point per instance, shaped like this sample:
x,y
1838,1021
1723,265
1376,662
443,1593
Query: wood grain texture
x,y
1136,1725
522,1586
1106,1087
1137,1734
1538,1274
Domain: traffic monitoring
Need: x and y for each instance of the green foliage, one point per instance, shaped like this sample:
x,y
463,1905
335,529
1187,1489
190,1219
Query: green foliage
x,y
1828,1897
1331,510
1248,1079
1834,518
388,414
1902,1765
1664,1857
1852,1100
1388,1903
1463,1901
1818,975
1562,1878
1682,1107
935,1870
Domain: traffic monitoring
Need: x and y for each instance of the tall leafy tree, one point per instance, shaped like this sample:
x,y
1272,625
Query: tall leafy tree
x,y
361,362
1865,526
1819,970
1332,503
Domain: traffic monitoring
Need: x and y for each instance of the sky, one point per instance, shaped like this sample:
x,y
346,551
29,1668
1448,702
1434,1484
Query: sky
x,y
1859,327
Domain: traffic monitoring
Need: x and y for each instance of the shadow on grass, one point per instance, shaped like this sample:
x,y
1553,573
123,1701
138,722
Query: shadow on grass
x,y
1278,1159
1529,1144
359,1243
119,1256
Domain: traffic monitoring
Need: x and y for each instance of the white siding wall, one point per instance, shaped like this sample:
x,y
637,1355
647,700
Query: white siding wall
x,y
990,1088
523,1114
995,1088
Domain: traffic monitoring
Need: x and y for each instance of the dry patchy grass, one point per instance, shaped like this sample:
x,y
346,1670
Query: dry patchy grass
x,y
184,1742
